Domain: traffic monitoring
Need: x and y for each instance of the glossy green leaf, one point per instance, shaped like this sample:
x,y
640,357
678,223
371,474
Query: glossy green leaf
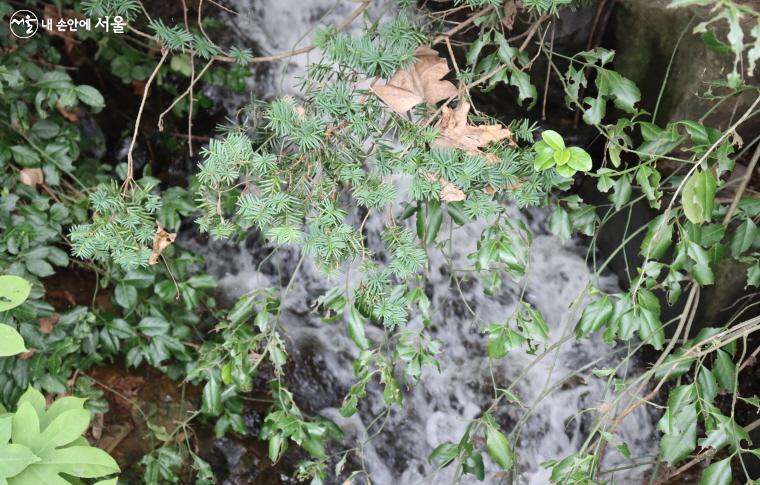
x,y
553,140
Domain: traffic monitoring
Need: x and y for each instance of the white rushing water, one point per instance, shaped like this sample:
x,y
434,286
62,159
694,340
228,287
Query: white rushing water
x,y
438,409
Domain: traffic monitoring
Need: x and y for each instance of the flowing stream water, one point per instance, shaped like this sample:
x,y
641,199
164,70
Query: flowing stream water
x,y
438,409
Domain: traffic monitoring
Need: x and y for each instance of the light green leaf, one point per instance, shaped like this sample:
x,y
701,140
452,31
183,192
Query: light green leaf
x,y
26,425
356,329
212,398
63,430
658,238
14,459
553,140
14,290
544,156
79,461
698,196
498,448
579,159
11,342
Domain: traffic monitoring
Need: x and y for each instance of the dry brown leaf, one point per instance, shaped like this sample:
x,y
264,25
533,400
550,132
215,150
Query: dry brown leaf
x,y
161,240
31,177
420,83
456,133
28,354
47,323
510,13
72,116
449,191
96,428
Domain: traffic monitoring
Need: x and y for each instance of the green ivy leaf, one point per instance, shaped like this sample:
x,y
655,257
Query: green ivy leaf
x,y
356,329
698,196
718,473
624,91
525,89
597,108
743,237
622,193
650,329
724,369
498,448
658,238
212,397
443,454
560,224
680,428
702,271
753,275
594,316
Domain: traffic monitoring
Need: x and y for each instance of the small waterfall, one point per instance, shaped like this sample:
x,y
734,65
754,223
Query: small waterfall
x,y
439,407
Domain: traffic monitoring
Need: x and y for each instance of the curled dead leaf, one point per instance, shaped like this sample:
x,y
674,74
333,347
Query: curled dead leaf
x,y
28,354
510,13
161,240
449,191
31,177
421,83
47,323
72,116
455,132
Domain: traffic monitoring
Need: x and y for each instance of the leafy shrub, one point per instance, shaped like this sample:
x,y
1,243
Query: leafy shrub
x,y
41,444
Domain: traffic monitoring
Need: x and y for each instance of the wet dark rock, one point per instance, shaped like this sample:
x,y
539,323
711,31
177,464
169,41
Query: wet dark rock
x,y
643,55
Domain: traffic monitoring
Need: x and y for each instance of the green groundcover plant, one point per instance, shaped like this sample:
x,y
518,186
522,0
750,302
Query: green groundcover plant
x,y
41,444
376,108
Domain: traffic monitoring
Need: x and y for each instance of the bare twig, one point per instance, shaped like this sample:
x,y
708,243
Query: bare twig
x,y
181,96
462,25
743,185
130,162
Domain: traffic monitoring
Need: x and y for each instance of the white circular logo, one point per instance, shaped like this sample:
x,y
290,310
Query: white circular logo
x,y
24,24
